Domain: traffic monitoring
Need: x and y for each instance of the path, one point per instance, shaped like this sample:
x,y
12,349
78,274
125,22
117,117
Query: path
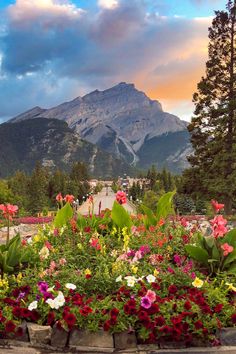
x,y
107,200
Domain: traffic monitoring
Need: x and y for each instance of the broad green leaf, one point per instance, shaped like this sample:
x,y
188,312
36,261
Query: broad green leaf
x,y
232,269
215,253
165,206
120,216
197,253
14,252
230,237
6,268
150,218
63,215
81,222
230,258
210,241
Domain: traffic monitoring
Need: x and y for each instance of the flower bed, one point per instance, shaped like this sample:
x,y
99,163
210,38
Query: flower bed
x,y
159,279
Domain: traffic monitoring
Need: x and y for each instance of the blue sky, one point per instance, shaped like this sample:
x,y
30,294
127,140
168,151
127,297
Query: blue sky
x,y
56,50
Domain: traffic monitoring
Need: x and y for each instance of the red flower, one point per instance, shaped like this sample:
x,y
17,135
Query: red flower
x,y
87,229
16,311
172,289
69,198
233,318
85,310
114,312
57,285
153,309
10,326
107,325
216,206
160,321
156,286
187,305
198,324
34,315
25,313
51,318
59,198
70,319
121,197
218,308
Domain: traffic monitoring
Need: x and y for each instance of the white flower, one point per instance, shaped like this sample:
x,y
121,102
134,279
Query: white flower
x,y
150,278
58,302
44,252
33,305
51,289
131,280
51,303
119,278
70,286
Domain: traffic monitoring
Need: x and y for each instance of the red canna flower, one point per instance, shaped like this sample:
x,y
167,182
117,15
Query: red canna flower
x,y
216,206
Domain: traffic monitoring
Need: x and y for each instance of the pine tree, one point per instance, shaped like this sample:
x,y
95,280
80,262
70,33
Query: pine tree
x,y
213,127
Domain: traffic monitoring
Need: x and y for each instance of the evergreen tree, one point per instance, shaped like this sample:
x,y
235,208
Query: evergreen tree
x,y
213,127
38,189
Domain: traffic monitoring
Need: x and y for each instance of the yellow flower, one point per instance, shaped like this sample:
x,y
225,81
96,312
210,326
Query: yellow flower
x,y
197,283
231,287
134,269
19,277
4,283
80,246
87,272
169,248
114,231
156,272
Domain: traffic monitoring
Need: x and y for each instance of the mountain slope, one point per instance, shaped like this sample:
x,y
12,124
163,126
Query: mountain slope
x,y
123,121
55,145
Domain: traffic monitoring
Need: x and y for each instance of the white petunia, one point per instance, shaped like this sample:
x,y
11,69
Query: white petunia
x,y
33,305
150,278
51,303
70,286
44,253
119,278
131,280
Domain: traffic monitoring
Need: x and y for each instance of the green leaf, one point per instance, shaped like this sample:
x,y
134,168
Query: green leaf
x,y
230,237
150,218
120,216
63,215
14,252
165,206
81,222
230,258
215,253
232,269
197,253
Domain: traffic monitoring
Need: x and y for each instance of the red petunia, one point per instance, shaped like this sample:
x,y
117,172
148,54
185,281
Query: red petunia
x,y
218,308
198,324
107,325
50,318
233,318
16,311
160,321
10,326
114,313
172,289
187,305
70,319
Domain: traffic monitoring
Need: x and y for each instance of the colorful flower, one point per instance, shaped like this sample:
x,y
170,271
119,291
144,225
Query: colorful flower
x,y
227,249
151,278
145,302
70,286
121,197
33,305
216,206
197,283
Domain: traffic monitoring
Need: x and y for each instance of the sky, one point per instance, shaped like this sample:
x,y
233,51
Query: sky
x,y
52,51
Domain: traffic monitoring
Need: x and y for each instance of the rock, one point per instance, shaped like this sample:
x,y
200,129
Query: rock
x,y
172,345
59,337
125,340
85,338
227,336
39,334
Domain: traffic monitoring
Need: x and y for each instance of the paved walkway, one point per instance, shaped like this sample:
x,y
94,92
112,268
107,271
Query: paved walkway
x,y
107,199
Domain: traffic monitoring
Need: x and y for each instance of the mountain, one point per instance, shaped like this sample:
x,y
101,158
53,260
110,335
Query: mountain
x,y
55,145
124,121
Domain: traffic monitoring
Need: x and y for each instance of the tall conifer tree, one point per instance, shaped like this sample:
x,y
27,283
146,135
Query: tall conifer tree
x,y
213,127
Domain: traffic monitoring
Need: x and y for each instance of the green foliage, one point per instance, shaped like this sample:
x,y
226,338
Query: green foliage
x,y
165,206
120,216
63,215
149,217
12,255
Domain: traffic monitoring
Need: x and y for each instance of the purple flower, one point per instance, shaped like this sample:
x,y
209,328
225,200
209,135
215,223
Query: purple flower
x,y
145,302
43,287
20,296
131,253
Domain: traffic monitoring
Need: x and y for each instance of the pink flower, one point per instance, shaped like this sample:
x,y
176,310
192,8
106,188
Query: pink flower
x,y
94,242
90,199
151,295
62,261
145,302
69,198
227,249
48,245
8,210
216,206
121,197
218,226
59,198
178,259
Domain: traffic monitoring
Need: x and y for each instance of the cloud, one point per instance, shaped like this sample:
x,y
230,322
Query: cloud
x,y
108,4
56,49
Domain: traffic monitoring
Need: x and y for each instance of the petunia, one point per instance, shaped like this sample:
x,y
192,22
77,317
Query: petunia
x,y
70,286
151,278
33,305
145,302
197,283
